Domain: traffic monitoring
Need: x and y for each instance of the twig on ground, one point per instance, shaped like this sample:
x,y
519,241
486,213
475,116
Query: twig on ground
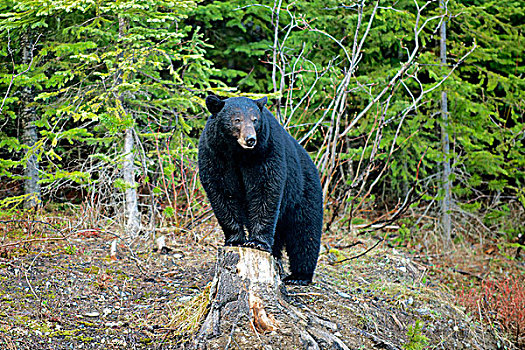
x,y
349,245
361,254
466,273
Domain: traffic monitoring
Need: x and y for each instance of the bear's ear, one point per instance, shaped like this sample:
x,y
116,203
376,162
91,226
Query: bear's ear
x,y
214,104
261,102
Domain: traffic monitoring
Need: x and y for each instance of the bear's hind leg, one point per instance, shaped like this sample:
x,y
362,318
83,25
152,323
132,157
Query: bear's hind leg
x,y
303,240
278,244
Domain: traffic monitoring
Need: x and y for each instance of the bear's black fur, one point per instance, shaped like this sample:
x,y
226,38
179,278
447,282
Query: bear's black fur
x,y
263,187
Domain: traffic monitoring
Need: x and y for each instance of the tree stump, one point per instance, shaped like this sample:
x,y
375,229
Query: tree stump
x,y
249,308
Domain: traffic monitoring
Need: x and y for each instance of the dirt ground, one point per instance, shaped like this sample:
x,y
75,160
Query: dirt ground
x,y
72,294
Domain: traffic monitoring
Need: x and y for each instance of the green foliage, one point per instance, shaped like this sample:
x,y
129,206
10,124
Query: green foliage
x,y
102,67
98,69
485,91
416,339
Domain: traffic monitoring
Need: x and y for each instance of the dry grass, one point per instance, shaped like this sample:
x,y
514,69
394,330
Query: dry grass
x,y
188,315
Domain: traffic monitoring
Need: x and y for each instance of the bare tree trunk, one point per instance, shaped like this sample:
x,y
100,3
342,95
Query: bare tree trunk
x,y
445,141
128,168
30,136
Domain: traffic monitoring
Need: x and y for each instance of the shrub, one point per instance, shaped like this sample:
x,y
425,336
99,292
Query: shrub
x,y
501,301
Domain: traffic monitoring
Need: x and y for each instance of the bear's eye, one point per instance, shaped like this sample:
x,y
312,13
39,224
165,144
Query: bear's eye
x,y
237,120
255,120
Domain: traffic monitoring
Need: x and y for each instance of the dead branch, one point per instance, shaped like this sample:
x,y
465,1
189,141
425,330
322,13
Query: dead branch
x,y
13,75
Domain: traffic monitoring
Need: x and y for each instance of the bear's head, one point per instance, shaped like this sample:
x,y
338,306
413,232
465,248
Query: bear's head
x,y
239,117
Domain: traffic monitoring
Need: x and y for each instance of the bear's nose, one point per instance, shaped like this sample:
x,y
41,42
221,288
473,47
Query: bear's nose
x,y
251,140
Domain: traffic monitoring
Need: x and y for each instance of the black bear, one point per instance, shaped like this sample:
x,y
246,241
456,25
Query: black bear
x,y
263,187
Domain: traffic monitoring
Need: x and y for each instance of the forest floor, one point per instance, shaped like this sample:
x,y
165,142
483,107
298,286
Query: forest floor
x,y
72,293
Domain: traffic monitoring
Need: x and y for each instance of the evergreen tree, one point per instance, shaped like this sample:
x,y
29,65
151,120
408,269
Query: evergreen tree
x,y
99,81
485,91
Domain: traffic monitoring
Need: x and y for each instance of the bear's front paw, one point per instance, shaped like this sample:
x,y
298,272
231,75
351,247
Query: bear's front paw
x,y
234,240
233,243
296,280
258,245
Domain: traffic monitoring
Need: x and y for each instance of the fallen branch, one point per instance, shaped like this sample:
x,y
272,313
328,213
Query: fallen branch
x,y
34,240
31,222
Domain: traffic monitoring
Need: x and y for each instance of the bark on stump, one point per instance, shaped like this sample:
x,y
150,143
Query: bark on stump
x,y
249,308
